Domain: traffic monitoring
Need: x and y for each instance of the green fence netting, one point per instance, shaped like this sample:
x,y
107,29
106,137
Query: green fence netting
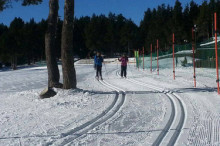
x,y
204,56
41,63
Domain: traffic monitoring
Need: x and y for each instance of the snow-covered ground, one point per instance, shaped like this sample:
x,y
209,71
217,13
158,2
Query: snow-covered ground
x,y
144,109
210,43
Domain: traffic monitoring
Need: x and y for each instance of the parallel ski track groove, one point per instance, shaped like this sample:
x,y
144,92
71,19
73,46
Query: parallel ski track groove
x,y
171,120
106,115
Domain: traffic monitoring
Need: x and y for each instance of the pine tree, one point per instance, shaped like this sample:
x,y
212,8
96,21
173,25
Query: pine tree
x,y
203,22
178,22
50,39
69,73
7,3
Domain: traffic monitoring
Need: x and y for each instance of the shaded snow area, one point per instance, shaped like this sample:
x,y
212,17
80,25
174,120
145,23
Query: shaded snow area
x,y
141,110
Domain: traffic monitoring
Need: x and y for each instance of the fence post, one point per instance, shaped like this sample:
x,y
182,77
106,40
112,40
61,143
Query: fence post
x,y
143,58
158,57
151,58
216,53
173,56
193,48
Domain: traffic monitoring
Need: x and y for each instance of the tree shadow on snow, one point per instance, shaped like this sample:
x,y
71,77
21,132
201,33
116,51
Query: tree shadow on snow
x,y
195,90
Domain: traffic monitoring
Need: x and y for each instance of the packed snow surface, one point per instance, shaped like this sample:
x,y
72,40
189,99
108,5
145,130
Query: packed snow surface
x,y
143,109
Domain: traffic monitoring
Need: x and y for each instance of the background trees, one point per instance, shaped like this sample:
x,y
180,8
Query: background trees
x,y
13,40
110,34
22,41
165,20
12,46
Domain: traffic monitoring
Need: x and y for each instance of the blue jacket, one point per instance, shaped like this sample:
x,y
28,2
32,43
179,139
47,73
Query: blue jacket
x,y
98,60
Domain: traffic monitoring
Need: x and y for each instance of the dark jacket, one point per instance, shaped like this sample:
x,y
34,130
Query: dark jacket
x,y
98,60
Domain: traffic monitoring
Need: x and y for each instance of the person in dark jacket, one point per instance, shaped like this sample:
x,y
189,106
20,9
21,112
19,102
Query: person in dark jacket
x,y
124,61
98,64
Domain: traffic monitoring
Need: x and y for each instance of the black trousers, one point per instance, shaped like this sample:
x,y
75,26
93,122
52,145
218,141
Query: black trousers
x,y
98,71
123,71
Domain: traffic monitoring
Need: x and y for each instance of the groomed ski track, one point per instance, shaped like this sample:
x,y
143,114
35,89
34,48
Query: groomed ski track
x,y
172,130
77,132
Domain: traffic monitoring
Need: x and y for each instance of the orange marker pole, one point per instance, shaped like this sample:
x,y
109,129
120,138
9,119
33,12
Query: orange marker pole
x,y
155,49
216,53
173,56
143,58
151,47
157,57
193,48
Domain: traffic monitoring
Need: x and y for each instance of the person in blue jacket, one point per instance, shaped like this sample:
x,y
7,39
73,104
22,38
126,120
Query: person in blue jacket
x,y
98,65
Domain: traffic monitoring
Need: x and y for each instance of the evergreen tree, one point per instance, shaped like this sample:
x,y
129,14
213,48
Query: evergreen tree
x,y
14,41
50,45
178,22
110,37
7,3
79,45
193,13
204,22
69,73
187,23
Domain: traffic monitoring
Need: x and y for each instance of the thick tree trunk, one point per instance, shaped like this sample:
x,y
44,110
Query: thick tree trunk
x,y
50,47
69,74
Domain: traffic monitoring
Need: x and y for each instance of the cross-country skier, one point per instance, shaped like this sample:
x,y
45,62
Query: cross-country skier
x,y
124,61
98,64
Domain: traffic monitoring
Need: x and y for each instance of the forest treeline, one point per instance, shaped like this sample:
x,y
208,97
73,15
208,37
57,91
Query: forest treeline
x,y
111,34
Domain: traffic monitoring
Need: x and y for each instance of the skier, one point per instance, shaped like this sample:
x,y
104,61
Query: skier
x,y
98,64
124,61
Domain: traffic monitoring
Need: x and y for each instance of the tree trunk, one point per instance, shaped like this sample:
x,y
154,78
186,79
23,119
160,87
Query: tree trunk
x,y
50,47
69,73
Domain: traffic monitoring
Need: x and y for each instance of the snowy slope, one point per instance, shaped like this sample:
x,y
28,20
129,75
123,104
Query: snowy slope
x,y
144,109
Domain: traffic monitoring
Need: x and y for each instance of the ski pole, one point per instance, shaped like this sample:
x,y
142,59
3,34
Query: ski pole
x,y
130,69
106,71
105,68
